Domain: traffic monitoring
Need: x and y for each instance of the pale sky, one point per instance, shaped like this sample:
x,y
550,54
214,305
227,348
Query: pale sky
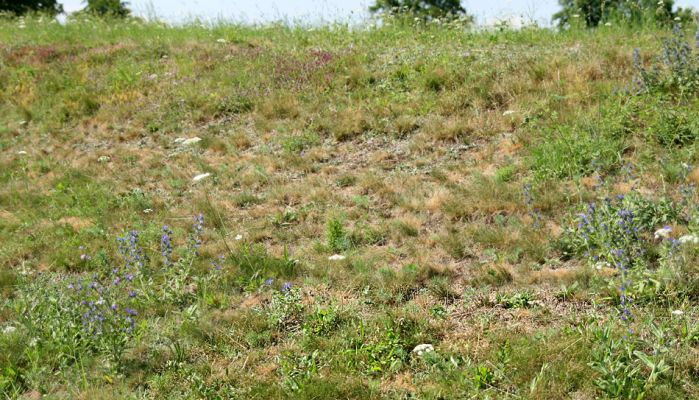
x,y
314,11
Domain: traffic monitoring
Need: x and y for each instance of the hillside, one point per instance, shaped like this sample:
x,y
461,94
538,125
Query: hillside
x,y
274,212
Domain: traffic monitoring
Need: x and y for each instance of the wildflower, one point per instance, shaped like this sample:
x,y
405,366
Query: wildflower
x,y
602,264
689,239
424,348
286,287
131,311
8,330
21,152
663,233
508,112
166,246
239,237
148,211
103,159
197,229
221,40
269,281
677,312
216,264
336,257
199,177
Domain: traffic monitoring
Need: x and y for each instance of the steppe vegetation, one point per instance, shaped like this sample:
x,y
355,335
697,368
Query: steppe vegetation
x,y
216,212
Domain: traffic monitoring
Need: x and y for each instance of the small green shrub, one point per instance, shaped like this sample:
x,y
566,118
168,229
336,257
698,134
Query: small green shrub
x,y
285,311
337,237
676,127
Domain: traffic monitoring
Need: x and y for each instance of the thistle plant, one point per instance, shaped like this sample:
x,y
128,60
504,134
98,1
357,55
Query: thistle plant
x,y
674,72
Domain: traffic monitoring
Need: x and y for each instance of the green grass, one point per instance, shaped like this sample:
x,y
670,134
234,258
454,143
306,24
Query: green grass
x,y
447,168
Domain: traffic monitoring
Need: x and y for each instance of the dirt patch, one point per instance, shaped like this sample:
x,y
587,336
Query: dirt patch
x,y
77,223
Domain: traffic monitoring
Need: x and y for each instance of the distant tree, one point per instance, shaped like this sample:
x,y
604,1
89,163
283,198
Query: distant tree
x,y
594,12
108,8
20,7
424,9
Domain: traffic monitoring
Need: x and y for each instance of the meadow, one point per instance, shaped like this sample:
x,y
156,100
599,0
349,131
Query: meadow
x,y
403,211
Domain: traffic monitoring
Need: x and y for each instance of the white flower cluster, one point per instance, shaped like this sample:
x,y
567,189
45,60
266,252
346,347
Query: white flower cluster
x,y
422,349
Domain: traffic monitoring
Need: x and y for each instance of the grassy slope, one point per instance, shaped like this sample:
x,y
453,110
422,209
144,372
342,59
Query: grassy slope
x,y
403,137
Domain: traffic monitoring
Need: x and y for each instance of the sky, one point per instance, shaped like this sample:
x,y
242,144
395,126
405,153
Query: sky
x,y
316,11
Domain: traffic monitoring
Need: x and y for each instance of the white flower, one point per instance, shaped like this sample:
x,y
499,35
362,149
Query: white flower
x,y
663,233
201,176
239,237
22,152
336,257
689,239
508,112
221,40
103,159
8,330
148,211
189,141
608,24
602,264
677,312
424,348
33,342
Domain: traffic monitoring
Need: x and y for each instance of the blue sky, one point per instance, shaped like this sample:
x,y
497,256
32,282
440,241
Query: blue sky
x,y
324,10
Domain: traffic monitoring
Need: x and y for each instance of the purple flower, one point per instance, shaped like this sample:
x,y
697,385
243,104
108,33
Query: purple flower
x,y
286,287
131,311
166,246
269,281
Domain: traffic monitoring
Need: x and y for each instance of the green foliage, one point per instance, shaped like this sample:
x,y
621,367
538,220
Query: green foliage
x,y
523,299
337,237
424,9
576,152
595,12
298,370
483,377
621,368
108,8
617,229
387,354
20,7
674,73
321,322
254,262
285,311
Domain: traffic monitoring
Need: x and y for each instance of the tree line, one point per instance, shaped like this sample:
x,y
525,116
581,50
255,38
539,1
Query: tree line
x,y
589,13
